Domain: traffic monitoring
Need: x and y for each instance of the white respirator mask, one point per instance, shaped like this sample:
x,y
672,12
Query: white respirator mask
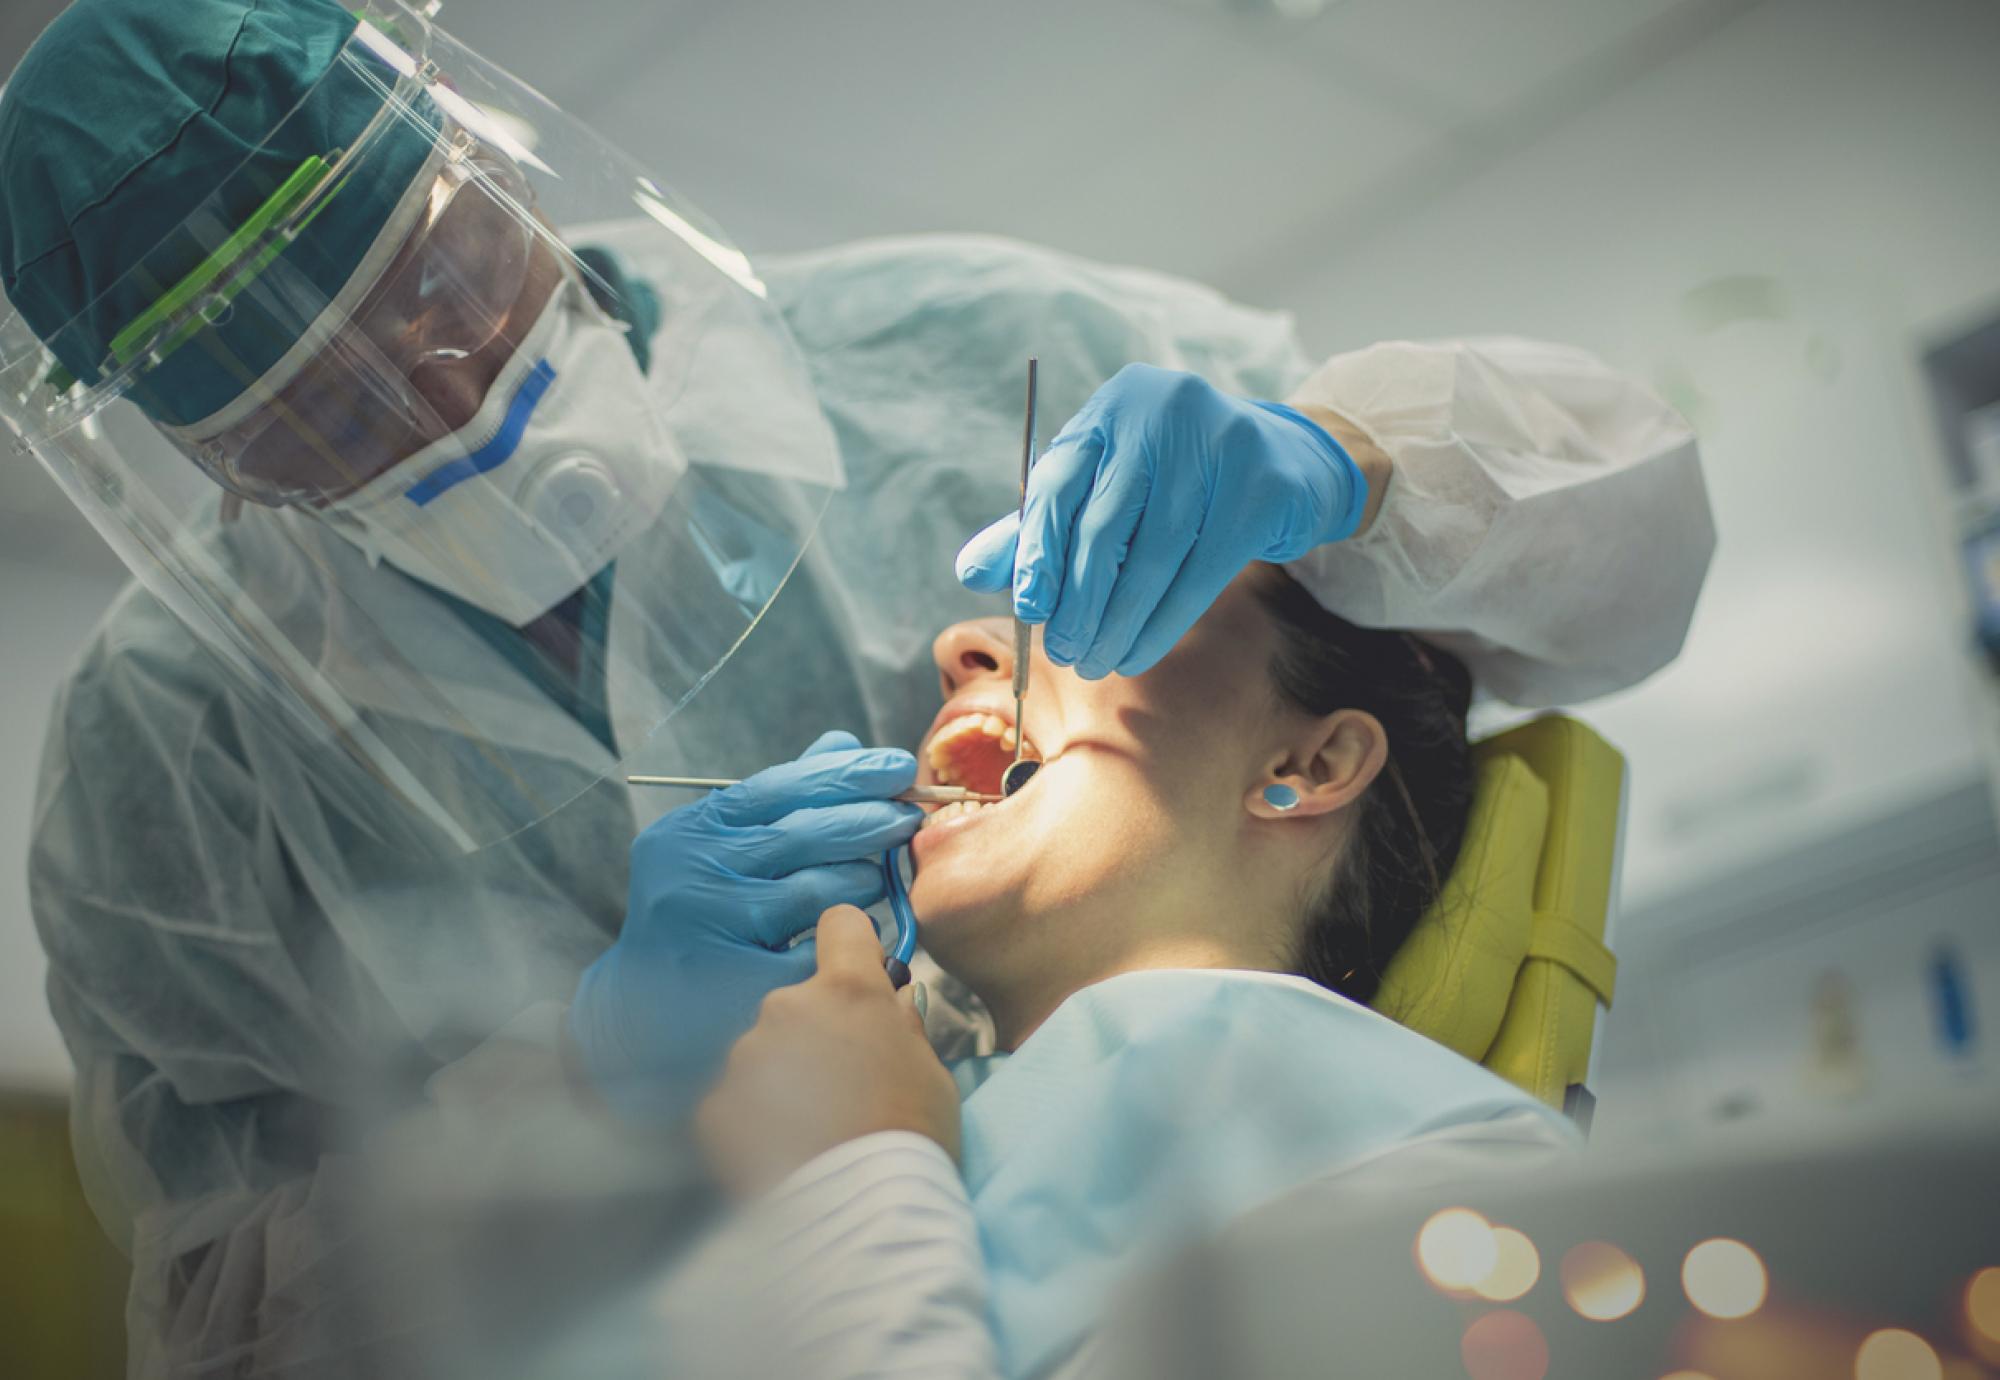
x,y
565,462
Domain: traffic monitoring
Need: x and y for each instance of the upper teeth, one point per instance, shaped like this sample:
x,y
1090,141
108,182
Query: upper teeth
x,y
990,725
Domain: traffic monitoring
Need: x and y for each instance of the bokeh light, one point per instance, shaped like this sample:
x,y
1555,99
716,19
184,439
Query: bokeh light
x,y
1982,1303
1724,1278
1455,1249
1893,1354
1516,1267
1504,1345
1687,1375
1602,1282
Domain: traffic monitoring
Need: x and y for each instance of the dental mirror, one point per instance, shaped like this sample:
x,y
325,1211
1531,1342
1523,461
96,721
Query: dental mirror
x,y
1018,774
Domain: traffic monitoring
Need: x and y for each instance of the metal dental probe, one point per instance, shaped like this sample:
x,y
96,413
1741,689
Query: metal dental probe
x,y
916,795
1019,772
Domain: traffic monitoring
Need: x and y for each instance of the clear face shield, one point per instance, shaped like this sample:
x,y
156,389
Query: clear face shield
x,y
550,397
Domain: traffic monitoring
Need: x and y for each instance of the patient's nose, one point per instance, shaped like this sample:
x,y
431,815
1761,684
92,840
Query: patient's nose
x,y
979,649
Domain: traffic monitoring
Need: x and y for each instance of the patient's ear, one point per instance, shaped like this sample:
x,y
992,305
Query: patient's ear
x,y
1327,767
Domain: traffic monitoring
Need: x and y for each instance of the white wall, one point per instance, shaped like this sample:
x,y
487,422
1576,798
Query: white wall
x,y
1770,227
46,613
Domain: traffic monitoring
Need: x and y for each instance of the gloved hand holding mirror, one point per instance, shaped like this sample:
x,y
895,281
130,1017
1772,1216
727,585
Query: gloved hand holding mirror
x,y
1148,503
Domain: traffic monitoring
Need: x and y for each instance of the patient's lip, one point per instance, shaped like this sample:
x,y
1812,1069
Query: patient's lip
x,y
932,836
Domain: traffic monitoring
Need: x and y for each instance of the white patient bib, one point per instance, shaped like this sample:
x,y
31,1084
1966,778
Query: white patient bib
x,y
1159,1104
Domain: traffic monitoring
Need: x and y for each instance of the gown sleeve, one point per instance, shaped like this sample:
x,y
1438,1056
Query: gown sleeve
x,y
151,877
864,1263
1545,519
231,1056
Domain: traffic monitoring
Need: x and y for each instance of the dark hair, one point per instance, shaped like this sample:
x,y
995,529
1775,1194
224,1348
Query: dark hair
x,y
1409,823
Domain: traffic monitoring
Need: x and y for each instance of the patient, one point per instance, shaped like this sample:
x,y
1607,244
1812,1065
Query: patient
x,y
1146,840
1175,927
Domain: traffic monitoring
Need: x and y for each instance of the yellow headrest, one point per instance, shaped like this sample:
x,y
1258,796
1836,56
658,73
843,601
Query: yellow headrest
x,y
1509,965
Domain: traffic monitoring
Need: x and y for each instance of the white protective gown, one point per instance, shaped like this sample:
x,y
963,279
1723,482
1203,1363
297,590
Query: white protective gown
x,y
245,975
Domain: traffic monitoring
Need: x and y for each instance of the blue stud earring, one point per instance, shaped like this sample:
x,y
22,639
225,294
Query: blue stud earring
x,y
1279,796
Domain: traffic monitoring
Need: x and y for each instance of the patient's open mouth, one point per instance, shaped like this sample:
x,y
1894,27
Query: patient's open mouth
x,y
973,750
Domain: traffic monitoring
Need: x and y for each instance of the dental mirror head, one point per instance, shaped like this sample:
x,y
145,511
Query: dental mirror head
x,y
1018,774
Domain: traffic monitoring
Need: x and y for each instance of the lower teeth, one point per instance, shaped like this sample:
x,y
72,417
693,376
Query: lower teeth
x,y
952,811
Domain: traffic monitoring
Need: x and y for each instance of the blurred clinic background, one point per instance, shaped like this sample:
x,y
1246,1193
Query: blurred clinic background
x,y
1785,214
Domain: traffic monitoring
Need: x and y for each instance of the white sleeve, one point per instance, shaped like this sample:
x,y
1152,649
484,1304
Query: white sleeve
x,y
1545,518
864,1263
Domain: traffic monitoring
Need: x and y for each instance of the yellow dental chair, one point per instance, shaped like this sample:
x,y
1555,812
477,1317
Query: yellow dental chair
x,y
1512,967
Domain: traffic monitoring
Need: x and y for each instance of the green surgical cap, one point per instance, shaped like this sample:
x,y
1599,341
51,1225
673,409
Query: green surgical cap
x,y
137,133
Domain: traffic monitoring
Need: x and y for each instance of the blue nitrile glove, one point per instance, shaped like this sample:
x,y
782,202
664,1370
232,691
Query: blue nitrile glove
x,y
1151,500
718,890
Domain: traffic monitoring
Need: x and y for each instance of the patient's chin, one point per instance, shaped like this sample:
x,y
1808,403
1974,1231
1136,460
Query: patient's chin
x,y
943,902
953,910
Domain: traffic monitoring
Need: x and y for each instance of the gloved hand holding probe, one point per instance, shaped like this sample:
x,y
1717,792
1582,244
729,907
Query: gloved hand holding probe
x,y
719,890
